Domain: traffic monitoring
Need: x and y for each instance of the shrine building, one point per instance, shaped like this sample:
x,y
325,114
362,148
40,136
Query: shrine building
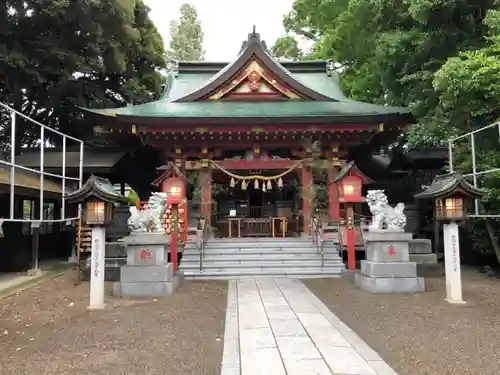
x,y
252,134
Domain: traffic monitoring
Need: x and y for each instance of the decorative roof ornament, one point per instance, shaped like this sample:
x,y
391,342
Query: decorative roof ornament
x,y
254,80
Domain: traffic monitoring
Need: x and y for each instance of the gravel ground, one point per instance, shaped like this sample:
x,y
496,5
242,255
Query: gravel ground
x,y
47,330
421,334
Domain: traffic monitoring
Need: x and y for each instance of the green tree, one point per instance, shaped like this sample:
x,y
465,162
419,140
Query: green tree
x,y
438,57
57,55
390,50
186,35
468,88
287,48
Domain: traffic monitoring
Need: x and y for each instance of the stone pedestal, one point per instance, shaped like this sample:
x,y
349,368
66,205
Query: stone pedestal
x,y
387,268
147,272
421,252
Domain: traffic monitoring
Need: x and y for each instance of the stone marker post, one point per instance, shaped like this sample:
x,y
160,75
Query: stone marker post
x,y
452,263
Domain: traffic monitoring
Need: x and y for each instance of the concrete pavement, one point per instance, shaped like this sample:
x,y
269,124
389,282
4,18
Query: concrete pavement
x,y
279,327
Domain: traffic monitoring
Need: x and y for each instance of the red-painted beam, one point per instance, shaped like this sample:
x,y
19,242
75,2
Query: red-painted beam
x,y
257,129
256,164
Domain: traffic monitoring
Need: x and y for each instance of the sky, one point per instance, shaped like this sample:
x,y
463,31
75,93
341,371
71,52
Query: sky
x,y
225,23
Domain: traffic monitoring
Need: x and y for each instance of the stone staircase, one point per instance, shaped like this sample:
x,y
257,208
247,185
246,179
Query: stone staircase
x,y
260,257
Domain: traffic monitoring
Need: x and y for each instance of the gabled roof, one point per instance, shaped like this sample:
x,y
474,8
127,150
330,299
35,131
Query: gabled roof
x,y
96,187
350,169
448,184
317,96
252,48
168,170
193,75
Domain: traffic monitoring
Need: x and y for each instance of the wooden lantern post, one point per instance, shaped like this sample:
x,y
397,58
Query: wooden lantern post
x,y
176,195
350,188
98,198
451,193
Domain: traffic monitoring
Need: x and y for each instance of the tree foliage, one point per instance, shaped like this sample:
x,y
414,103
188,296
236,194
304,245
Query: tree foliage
x,y
57,55
438,57
186,42
286,48
391,50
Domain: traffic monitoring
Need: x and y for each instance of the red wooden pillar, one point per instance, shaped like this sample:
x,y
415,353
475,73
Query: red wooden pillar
x,y
306,196
351,238
206,194
181,163
333,196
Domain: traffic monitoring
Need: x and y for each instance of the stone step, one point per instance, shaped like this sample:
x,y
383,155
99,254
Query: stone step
x,y
258,253
298,273
262,250
258,258
252,244
262,264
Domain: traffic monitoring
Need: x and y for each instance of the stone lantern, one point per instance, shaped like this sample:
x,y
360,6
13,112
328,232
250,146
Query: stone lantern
x,y
98,198
451,194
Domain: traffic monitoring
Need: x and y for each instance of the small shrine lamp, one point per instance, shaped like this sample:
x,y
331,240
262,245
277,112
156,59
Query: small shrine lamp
x,y
176,195
98,198
97,213
451,193
350,189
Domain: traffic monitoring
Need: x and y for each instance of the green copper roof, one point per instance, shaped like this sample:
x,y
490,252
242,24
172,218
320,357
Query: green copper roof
x,y
184,84
224,109
186,92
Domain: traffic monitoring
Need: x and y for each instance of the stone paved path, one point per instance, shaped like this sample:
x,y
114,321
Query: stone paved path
x,y
279,327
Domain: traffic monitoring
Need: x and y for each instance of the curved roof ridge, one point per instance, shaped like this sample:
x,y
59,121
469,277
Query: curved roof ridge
x,y
169,81
252,47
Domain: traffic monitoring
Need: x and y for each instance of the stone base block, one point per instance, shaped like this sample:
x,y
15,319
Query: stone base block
x,y
388,269
146,290
147,255
110,274
34,272
115,250
430,270
150,274
420,246
390,285
424,258
386,246
348,275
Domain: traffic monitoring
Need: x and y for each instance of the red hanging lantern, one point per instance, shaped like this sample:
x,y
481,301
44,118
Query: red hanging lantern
x,y
351,189
175,190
